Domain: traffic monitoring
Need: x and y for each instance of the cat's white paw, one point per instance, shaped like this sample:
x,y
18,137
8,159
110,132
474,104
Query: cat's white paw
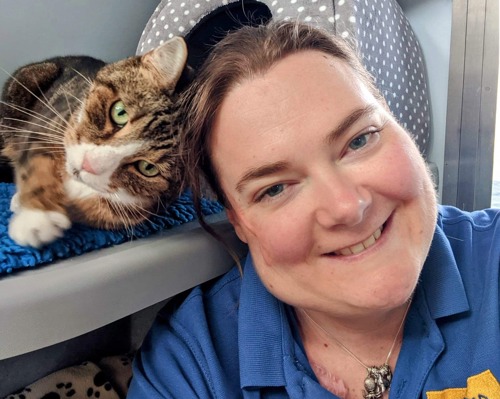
x,y
35,228
15,205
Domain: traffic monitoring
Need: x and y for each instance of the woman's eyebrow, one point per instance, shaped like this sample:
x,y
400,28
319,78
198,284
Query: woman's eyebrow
x,y
350,120
261,171
269,169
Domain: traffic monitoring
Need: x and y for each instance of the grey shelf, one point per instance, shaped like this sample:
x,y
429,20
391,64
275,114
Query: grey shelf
x,y
64,300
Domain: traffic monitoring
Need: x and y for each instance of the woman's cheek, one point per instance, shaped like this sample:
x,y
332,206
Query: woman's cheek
x,y
282,243
406,169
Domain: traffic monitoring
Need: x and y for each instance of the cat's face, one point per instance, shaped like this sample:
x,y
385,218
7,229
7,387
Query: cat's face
x,y
123,142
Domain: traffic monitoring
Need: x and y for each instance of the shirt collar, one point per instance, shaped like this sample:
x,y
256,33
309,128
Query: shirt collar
x,y
262,319
441,280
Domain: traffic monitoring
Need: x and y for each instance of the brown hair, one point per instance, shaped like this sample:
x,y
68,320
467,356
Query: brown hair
x,y
243,54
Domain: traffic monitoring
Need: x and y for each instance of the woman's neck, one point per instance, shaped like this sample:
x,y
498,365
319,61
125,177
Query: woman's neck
x,y
360,334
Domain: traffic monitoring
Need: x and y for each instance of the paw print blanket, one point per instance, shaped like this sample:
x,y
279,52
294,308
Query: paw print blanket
x,y
108,378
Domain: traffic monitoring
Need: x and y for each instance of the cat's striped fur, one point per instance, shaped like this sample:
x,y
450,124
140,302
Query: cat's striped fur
x,y
92,143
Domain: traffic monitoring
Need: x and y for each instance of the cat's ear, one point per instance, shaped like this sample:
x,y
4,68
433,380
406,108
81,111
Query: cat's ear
x,y
167,62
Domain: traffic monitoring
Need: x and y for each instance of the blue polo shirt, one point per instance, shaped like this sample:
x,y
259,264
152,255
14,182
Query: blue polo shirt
x,y
232,339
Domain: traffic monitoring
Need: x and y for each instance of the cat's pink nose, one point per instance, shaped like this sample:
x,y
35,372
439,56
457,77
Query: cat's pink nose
x,y
87,166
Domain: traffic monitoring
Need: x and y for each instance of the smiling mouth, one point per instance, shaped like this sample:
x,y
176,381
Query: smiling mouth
x,y
361,246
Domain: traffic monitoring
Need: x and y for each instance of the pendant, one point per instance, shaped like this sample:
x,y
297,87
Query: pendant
x,y
377,381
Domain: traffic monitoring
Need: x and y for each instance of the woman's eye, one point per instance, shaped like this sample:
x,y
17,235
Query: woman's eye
x,y
146,168
359,142
118,113
363,140
272,191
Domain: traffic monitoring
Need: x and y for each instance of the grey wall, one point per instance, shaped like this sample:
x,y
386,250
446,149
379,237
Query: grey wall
x,y
431,21
32,30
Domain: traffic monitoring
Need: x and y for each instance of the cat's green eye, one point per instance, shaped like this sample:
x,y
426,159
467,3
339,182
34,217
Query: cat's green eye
x,y
118,113
147,169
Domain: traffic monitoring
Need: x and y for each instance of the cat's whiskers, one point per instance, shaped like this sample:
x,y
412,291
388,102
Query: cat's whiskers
x,y
52,108
60,150
70,124
33,137
54,142
68,104
36,115
57,149
135,212
105,203
102,203
160,204
18,132
149,219
86,78
45,149
66,93
59,131
46,103
143,213
44,142
82,103
53,150
120,209
28,135
140,210
72,121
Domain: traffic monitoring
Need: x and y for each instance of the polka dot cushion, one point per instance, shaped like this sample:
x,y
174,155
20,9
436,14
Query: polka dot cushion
x,y
391,52
178,17
377,28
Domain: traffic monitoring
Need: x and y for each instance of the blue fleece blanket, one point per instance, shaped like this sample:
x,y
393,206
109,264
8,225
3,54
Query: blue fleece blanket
x,y
80,239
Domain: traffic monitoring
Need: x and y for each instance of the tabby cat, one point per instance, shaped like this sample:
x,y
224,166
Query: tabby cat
x,y
91,142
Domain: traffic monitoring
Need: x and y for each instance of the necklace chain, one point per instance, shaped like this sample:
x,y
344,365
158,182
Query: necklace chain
x,y
378,378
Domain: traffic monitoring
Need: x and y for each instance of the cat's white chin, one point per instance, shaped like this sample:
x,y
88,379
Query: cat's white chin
x,y
94,185
76,189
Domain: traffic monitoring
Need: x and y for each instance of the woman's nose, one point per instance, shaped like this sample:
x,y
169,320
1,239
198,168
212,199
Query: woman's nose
x,y
341,201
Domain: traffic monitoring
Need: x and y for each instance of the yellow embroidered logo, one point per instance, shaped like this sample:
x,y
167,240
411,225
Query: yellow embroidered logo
x,y
481,386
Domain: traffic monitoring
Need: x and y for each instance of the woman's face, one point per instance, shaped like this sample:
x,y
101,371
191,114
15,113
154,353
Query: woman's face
x,y
329,192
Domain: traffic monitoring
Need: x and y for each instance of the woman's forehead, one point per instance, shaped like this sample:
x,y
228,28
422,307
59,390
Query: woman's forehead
x,y
309,64
304,94
305,81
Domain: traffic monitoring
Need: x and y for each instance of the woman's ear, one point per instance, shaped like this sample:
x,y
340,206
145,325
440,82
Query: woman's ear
x,y
233,219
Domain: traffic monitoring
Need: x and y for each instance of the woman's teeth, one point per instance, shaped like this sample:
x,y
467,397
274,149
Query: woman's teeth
x,y
360,247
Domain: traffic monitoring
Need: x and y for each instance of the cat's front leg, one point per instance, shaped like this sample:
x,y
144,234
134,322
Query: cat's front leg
x,y
40,215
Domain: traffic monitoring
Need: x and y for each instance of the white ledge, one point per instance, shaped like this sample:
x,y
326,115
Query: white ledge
x,y
60,301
